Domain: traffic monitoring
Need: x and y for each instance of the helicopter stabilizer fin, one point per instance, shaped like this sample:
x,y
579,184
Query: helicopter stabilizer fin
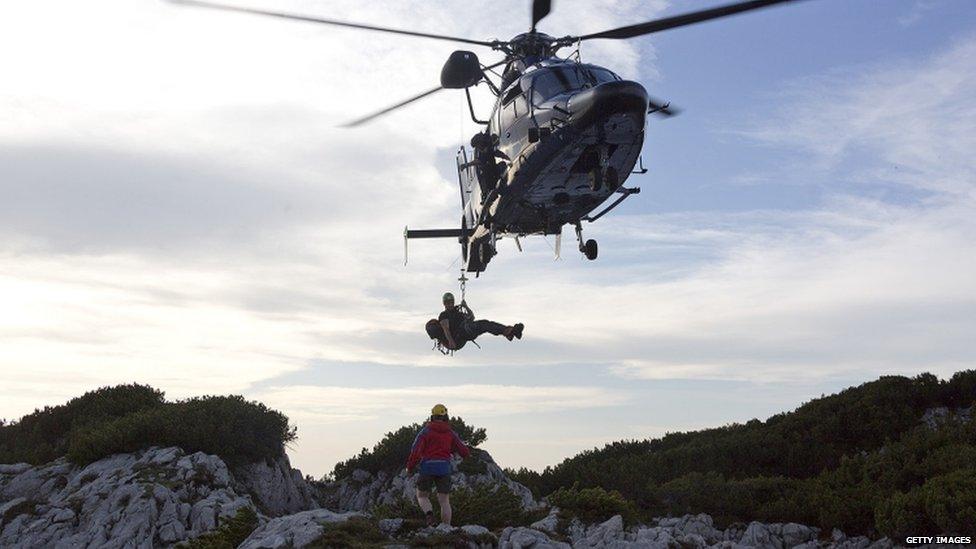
x,y
427,233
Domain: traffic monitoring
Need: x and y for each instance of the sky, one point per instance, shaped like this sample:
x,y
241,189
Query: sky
x,y
179,207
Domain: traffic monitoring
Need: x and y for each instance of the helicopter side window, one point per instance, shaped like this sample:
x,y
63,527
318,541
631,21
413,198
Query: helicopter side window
x,y
554,81
514,92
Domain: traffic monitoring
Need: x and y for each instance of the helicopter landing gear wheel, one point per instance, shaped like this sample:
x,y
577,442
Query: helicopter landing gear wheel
x,y
590,249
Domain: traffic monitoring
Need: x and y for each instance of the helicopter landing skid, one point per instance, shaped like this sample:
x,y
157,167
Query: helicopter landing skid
x,y
624,193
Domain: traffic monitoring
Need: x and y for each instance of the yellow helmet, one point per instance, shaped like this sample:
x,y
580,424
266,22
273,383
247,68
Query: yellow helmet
x,y
438,410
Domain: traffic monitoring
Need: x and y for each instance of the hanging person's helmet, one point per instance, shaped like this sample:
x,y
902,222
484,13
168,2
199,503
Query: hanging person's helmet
x,y
448,298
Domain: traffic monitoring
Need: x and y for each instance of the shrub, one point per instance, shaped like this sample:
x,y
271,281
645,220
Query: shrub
x,y
593,504
491,507
354,533
488,506
944,504
390,453
528,478
773,499
228,535
44,435
237,430
455,538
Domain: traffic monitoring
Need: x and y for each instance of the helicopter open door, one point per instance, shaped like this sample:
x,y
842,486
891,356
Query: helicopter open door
x,y
468,187
467,179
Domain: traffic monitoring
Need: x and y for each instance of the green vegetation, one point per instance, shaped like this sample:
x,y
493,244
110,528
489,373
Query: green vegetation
x,y
593,504
229,534
127,418
44,435
355,533
488,506
453,539
391,452
860,460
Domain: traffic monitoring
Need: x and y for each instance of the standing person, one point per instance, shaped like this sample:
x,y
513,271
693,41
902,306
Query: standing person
x,y
456,326
432,450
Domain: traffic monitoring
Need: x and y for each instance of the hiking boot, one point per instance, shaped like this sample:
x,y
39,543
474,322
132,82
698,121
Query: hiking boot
x,y
431,521
509,333
517,330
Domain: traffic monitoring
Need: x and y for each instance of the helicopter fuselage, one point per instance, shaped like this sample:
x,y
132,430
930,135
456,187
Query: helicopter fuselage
x,y
568,134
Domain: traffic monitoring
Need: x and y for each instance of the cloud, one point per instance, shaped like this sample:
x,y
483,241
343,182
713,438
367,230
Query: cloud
x,y
330,404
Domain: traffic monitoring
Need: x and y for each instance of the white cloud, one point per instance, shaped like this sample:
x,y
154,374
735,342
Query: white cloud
x,y
330,404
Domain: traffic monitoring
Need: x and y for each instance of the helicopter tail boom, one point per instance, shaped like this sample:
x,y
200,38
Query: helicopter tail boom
x,y
433,233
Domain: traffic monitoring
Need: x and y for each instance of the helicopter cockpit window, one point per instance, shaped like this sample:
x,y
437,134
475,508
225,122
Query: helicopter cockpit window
x,y
603,75
551,82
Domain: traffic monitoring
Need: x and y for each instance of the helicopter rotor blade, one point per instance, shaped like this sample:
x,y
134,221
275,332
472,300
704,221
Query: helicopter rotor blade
x,y
540,9
405,102
662,108
311,19
682,20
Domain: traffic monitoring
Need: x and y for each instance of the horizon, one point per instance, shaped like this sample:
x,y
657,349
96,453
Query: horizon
x,y
180,210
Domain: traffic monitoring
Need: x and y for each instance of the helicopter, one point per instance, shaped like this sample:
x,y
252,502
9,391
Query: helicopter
x,y
562,138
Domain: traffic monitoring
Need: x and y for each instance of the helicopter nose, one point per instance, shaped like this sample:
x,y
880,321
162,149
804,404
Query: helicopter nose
x,y
607,99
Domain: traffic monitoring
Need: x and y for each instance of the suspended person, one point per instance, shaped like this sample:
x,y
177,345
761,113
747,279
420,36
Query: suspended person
x,y
456,326
432,451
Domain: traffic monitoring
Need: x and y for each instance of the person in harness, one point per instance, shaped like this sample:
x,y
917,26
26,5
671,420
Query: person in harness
x,y
431,451
456,326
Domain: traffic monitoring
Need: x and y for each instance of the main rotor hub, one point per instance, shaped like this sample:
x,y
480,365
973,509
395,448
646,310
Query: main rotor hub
x,y
533,44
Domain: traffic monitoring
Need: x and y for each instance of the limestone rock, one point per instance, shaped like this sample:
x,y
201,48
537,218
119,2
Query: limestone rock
x,y
528,538
296,530
278,488
157,497
363,490
549,523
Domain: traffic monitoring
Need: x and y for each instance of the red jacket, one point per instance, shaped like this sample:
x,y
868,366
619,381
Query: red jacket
x,y
435,441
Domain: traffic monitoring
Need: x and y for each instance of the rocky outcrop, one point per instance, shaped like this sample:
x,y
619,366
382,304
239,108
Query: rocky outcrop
x,y
935,417
277,487
154,498
364,490
297,530
690,531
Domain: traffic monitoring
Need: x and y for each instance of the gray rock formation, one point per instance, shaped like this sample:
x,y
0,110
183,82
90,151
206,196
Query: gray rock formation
x,y
364,490
528,538
154,498
296,530
277,487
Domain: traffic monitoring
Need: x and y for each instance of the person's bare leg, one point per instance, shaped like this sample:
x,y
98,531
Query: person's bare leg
x,y
423,499
445,501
